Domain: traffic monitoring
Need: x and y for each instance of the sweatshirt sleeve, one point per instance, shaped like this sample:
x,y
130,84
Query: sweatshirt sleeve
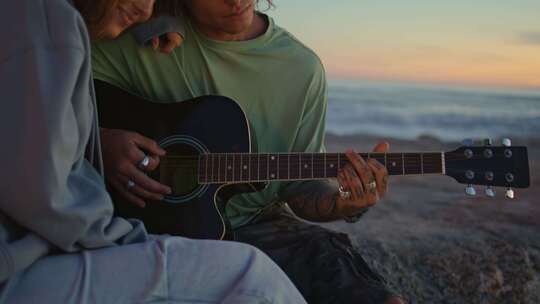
x,y
46,184
156,27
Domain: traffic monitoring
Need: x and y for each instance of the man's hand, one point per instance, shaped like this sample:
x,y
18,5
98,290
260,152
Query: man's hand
x,y
123,152
167,43
362,182
320,201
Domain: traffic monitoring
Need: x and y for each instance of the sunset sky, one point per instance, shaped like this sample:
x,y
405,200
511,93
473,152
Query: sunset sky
x,y
464,42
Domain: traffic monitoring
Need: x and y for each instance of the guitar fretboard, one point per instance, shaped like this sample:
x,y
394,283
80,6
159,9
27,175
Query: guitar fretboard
x,y
246,167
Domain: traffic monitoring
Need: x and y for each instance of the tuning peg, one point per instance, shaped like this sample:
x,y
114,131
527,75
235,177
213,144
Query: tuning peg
x,y
490,192
468,142
488,142
506,142
470,190
510,193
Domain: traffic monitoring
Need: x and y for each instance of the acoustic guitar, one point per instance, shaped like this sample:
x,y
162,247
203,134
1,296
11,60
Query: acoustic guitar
x,y
211,156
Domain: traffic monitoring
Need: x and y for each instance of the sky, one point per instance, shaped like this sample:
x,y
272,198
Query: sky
x,y
494,43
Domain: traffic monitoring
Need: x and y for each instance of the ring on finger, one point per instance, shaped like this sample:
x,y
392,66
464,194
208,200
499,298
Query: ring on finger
x,y
130,184
343,193
144,162
372,185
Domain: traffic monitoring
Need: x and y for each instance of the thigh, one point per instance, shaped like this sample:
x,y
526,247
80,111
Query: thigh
x,y
163,270
323,264
111,275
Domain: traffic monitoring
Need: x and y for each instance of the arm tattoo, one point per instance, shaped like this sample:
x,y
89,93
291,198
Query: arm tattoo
x,y
313,200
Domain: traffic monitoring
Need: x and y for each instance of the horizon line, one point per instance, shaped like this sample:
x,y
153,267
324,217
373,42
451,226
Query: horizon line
x,y
477,85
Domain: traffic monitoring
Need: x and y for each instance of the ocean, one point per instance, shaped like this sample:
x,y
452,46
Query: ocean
x,y
393,110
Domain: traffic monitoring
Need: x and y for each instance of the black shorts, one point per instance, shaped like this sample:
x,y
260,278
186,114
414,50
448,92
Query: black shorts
x,y
323,264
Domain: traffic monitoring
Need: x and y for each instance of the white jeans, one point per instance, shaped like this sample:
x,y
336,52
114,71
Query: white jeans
x,y
163,270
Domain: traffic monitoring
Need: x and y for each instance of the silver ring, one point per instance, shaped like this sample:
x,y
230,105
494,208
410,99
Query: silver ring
x,y
130,184
344,194
372,185
144,162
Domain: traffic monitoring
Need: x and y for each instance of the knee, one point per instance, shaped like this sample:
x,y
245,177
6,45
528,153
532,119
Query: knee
x,y
263,266
260,259
395,300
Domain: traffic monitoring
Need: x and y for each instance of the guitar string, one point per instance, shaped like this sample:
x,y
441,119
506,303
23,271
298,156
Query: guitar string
x,y
292,158
408,158
372,155
285,163
295,165
298,167
319,160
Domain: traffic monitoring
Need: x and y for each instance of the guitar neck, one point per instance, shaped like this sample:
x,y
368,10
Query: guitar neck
x,y
263,167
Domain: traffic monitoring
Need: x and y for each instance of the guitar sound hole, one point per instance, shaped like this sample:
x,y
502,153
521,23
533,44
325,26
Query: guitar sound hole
x,y
179,169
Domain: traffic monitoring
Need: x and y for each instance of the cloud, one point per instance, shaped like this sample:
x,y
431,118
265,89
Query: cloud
x,y
529,38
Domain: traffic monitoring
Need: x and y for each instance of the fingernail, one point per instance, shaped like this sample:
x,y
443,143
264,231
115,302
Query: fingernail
x,y
160,197
169,191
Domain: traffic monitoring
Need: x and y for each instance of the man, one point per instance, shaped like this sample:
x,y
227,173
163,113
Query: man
x,y
59,240
232,50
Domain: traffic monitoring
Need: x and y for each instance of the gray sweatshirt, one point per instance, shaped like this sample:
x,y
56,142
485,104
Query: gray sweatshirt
x,y
52,195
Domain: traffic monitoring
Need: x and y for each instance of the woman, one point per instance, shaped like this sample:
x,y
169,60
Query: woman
x,y
59,240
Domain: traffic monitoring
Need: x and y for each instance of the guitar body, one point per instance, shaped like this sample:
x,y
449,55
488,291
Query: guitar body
x,y
208,124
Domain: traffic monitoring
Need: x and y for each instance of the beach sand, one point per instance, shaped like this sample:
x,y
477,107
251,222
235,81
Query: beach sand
x,y
436,245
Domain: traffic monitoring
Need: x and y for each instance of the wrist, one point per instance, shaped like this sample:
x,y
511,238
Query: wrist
x,y
346,212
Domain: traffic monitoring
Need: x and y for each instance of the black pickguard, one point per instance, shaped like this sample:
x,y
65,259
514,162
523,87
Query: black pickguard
x,y
217,122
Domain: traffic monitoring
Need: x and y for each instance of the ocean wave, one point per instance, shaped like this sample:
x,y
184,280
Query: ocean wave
x,y
452,114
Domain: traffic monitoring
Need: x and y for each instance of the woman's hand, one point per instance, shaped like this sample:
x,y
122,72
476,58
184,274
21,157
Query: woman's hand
x,y
362,183
123,155
167,43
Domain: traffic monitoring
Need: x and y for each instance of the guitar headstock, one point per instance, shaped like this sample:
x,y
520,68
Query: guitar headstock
x,y
492,166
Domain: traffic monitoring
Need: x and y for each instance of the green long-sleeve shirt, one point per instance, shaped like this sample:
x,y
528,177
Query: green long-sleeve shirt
x,y
279,83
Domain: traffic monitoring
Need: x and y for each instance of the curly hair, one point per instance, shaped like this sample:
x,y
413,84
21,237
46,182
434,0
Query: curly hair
x,y
177,7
